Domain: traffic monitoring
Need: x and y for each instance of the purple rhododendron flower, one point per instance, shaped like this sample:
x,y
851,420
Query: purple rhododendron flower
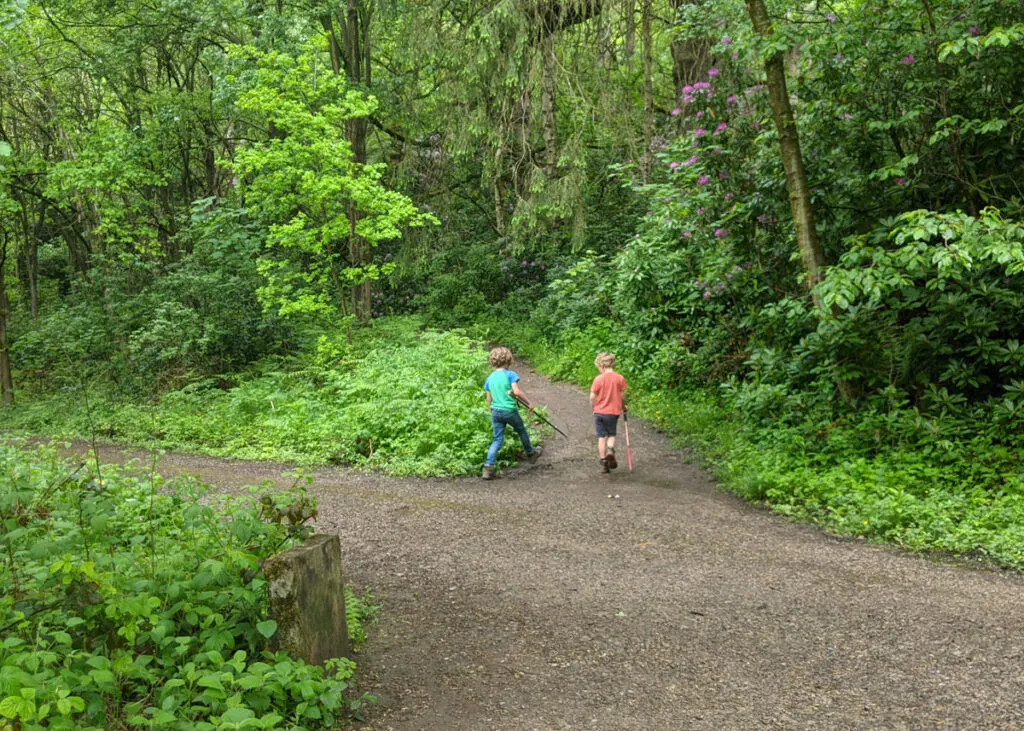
x,y
688,99
700,211
672,166
699,132
721,128
901,181
703,180
721,233
691,161
676,112
908,60
687,89
831,17
686,235
700,114
713,72
732,99
974,31
729,196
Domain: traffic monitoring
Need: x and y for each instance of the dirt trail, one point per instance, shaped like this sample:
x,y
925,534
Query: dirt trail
x,y
536,602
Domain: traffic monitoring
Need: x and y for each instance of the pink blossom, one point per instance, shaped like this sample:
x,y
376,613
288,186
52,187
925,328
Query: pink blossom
x,y
721,128
721,233
726,41
688,99
686,235
901,181
699,132
732,99
974,31
703,180
672,166
676,112
700,114
691,161
713,72
908,60
729,196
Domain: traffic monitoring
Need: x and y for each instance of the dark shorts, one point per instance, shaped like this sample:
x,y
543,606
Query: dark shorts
x,y
605,424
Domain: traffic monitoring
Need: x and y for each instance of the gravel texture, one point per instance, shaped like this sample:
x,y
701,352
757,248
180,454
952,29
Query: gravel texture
x,y
535,601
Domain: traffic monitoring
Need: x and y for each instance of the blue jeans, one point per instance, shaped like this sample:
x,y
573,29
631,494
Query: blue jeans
x,y
499,420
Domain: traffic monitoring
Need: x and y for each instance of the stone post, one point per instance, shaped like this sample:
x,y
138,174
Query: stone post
x,y
307,600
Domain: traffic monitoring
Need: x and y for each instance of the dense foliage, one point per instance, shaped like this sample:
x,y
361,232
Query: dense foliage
x,y
133,602
392,397
188,204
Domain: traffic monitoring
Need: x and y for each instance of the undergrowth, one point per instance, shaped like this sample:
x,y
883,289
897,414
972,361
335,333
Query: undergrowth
x,y
133,602
885,472
391,397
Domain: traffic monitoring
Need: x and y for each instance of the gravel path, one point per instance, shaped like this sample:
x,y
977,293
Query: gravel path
x,y
536,602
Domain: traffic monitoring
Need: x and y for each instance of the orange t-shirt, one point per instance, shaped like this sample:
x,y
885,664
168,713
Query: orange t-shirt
x,y
608,388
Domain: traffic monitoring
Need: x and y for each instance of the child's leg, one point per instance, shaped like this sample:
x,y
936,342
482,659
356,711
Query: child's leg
x,y
610,444
602,447
516,422
498,427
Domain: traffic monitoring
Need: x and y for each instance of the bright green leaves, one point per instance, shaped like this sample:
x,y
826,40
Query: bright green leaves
x,y
319,205
163,626
12,12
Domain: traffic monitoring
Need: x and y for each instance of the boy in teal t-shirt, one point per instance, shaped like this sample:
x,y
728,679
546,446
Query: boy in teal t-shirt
x,y
502,388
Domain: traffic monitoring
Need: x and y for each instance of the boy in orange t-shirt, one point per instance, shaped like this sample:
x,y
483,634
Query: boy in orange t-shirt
x,y
606,400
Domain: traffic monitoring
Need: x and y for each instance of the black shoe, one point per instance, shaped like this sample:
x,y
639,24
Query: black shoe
x,y
604,466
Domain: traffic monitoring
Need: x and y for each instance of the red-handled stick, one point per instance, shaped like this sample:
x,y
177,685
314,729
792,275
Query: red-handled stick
x,y
629,452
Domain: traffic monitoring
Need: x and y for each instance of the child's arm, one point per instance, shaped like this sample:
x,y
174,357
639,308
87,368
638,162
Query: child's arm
x,y
520,395
488,397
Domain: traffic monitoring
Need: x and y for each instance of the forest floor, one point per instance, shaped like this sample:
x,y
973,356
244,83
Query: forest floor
x,y
536,601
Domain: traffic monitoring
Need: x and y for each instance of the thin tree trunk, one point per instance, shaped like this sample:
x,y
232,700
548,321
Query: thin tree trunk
x,y
6,380
796,176
630,9
645,33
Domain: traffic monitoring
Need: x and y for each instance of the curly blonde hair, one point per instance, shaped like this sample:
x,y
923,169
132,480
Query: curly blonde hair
x,y
500,357
605,360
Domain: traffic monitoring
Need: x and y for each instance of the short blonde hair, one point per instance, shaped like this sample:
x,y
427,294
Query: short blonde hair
x,y
500,357
605,360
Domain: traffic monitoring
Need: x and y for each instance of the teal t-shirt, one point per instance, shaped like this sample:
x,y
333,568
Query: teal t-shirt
x,y
499,384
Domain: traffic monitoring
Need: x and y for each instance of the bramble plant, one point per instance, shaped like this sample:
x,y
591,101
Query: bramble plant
x,y
134,602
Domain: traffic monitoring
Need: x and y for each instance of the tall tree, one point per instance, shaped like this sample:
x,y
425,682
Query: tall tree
x,y
811,253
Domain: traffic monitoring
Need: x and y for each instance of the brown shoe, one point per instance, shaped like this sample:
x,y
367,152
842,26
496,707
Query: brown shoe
x,y
488,473
612,464
604,466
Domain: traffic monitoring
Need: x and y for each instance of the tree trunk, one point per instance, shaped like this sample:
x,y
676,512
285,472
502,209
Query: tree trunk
x,y
691,58
630,10
6,381
789,142
645,33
